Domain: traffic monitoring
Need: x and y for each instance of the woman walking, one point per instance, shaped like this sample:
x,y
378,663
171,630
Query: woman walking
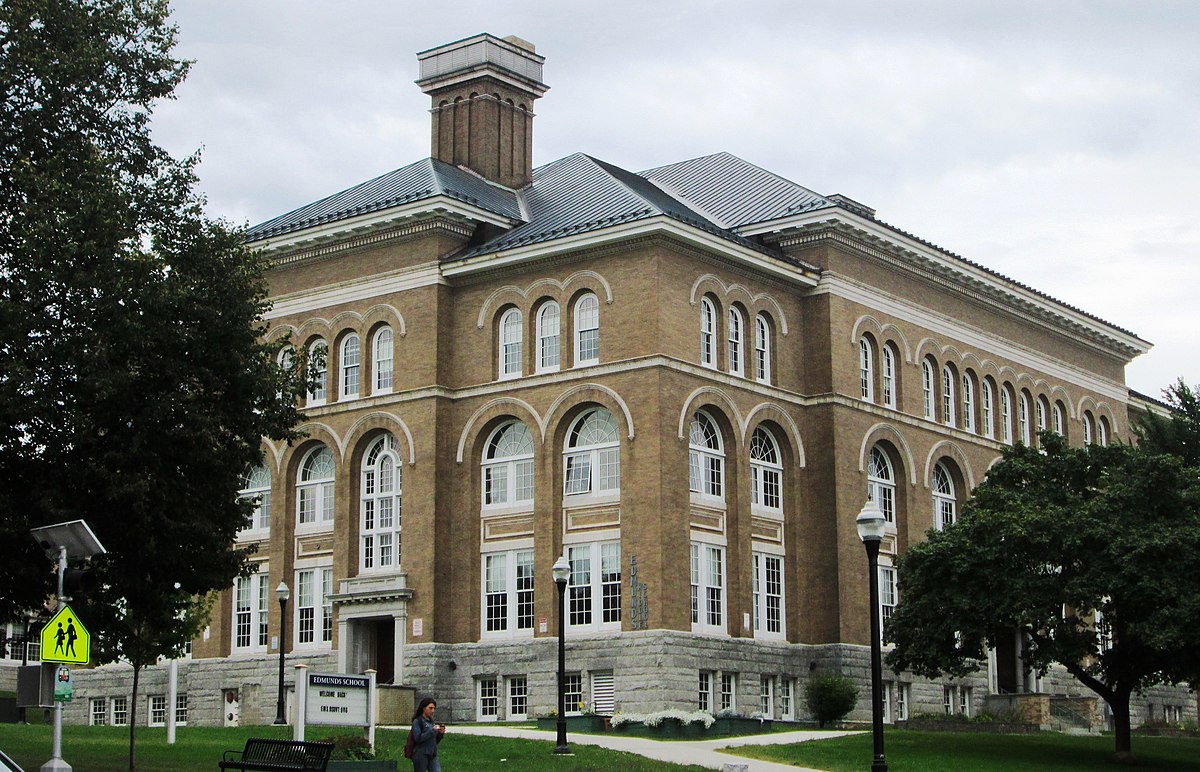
x,y
426,736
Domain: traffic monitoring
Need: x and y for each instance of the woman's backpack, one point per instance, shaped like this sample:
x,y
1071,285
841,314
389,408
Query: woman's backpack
x,y
409,745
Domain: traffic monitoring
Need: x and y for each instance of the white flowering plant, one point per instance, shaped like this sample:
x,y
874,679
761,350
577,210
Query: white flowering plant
x,y
656,718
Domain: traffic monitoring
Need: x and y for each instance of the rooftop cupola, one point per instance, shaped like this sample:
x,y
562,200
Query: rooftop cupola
x,y
483,89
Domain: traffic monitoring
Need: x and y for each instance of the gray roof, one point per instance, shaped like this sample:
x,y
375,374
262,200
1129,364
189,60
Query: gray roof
x,y
424,179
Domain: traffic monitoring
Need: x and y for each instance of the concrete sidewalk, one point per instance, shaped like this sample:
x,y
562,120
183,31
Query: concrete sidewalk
x,y
704,753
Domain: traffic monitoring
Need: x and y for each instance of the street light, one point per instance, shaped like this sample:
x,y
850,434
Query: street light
x,y
283,593
871,524
562,571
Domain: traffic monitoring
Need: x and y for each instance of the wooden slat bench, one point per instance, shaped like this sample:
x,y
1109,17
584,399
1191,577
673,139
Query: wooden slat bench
x,y
265,754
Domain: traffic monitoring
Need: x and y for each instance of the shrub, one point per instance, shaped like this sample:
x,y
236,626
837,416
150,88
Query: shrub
x,y
350,746
830,697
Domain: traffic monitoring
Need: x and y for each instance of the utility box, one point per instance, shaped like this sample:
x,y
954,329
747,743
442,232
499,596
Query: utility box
x,y
35,686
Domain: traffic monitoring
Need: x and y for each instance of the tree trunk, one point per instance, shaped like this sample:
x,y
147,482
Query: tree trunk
x,y
1120,708
137,671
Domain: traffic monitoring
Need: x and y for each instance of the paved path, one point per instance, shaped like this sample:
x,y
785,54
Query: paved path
x,y
704,753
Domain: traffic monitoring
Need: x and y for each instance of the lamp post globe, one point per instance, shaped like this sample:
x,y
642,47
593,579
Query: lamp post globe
x,y
282,593
871,524
562,572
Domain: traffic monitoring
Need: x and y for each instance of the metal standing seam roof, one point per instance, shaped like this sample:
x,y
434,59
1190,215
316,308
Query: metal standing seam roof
x,y
424,179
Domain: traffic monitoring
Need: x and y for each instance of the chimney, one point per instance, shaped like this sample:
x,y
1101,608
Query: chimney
x,y
483,89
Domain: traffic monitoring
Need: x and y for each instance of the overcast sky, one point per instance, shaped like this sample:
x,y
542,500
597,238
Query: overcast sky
x,y
1057,143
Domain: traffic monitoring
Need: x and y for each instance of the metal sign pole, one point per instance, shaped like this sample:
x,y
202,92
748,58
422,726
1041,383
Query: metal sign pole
x,y
56,763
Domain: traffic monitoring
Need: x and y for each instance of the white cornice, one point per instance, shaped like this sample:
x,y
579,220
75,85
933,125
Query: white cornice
x,y
1024,301
660,225
985,342
354,290
435,206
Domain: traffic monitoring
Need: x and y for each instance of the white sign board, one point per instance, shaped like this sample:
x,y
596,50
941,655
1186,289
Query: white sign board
x,y
337,699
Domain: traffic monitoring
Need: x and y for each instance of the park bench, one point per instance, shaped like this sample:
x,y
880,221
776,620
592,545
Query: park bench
x,y
265,754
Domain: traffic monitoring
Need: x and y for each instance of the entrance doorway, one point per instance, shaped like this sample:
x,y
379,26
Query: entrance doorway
x,y
383,650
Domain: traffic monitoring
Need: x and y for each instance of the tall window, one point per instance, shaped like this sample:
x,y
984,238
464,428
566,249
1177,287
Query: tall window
x,y
314,610
379,528
948,395
511,331
592,458
887,595
1041,412
1023,418
945,507
489,699
968,403
927,388
508,592
351,363
866,370
762,349
766,696
1102,432
1060,424
708,588
314,488
508,467
736,342
250,595
768,595
708,333
1006,433
518,698
594,588
256,487
1089,429
382,352
786,708
318,367
881,483
548,335
706,458
587,330
766,472
989,429
889,375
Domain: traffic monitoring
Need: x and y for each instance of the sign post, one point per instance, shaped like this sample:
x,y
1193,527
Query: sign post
x,y
336,699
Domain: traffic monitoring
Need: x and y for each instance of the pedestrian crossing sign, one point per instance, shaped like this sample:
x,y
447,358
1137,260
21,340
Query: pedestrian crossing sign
x,y
65,639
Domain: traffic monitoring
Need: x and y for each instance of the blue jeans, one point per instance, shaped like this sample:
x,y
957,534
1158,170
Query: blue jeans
x,y
425,763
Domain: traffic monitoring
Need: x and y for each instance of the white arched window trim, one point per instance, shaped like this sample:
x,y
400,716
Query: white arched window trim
x,y
968,403
945,506
549,337
351,367
256,487
737,342
314,490
881,484
381,349
507,469
587,330
948,396
706,460
766,474
511,332
927,388
987,397
762,349
888,379
318,358
592,459
866,370
380,506
708,333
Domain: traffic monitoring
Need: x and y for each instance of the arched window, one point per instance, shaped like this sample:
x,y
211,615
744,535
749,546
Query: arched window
x,y
736,342
1060,423
587,330
592,463
948,395
379,528
866,370
881,483
762,349
706,458
889,375
256,487
382,352
766,472
1089,429
508,467
1102,434
1006,433
1023,419
1042,413
511,331
318,364
927,388
968,403
708,333
314,488
985,408
945,507
548,323
351,362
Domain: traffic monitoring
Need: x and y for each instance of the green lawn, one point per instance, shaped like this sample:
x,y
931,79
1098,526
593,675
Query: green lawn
x,y
957,752
105,749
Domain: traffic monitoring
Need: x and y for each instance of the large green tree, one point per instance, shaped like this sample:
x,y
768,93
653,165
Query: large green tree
x,y
135,386
1178,432
1051,536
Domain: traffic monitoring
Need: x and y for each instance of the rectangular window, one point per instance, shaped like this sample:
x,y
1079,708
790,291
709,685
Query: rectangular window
x,y
573,693
158,710
16,635
508,592
767,593
902,700
986,410
887,594
99,714
489,699
120,711
964,700
786,710
708,587
181,709
314,610
604,700
518,698
251,594
579,474
728,691
586,584
705,693
766,696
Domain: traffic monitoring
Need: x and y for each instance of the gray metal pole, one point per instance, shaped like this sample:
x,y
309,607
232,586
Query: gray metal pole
x,y
878,763
56,763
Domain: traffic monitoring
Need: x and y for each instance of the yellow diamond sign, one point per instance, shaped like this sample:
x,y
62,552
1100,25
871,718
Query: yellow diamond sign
x,y
65,639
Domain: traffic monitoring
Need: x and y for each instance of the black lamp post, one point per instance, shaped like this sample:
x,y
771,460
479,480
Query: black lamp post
x,y
283,593
562,571
870,524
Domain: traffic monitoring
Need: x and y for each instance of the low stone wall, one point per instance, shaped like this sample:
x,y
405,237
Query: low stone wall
x,y
985,727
